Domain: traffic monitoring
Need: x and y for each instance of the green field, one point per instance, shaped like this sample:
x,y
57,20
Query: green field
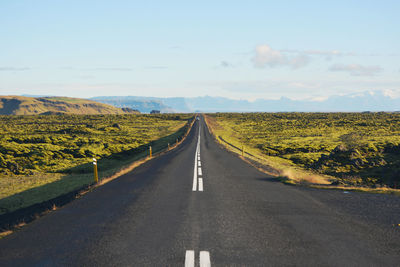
x,y
42,157
358,149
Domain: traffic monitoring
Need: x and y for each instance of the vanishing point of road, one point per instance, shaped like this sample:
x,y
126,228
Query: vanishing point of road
x,y
200,205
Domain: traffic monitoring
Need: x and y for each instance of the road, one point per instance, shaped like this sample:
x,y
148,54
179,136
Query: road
x,y
199,205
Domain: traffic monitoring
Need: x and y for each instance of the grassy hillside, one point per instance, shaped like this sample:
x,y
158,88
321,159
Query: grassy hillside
x,y
42,157
21,105
358,149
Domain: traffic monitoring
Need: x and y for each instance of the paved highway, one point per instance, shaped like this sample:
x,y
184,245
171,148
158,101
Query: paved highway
x,y
200,205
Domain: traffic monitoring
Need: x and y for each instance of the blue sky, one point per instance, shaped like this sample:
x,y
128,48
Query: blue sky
x,y
237,49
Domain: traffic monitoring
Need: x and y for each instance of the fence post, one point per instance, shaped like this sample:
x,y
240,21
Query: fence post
x,y
96,176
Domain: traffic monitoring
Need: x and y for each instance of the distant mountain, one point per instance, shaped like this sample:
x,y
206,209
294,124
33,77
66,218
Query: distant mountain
x,y
143,104
348,103
22,105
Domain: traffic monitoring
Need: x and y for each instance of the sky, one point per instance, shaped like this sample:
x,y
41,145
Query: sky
x,y
237,49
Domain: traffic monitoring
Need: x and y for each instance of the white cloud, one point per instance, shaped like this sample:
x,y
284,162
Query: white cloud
x,y
14,68
324,53
226,64
391,93
111,69
328,54
356,69
157,67
176,47
265,56
304,85
318,52
97,68
299,61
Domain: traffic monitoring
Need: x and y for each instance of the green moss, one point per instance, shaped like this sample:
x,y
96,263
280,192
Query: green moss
x,y
37,150
362,145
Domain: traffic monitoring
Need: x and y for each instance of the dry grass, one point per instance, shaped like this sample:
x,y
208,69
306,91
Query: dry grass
x,y
304,177
5,233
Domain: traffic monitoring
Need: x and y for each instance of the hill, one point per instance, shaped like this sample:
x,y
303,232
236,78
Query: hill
x,y
22,105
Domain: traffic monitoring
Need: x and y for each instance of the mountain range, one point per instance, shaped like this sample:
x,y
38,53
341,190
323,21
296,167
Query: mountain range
x,y
366,101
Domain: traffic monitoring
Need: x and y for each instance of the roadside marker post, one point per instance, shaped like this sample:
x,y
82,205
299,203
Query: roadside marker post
x,y
168,147
96,176
242,150
150,151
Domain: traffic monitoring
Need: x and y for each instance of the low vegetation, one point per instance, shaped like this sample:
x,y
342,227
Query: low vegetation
x,y
43,156
352,149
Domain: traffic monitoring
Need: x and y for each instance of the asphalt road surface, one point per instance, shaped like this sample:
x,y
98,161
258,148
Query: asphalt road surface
x,y
200,205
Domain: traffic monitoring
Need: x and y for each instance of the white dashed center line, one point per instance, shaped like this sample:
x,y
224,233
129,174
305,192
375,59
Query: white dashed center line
x,y
204,259
201,184
189,258
197,172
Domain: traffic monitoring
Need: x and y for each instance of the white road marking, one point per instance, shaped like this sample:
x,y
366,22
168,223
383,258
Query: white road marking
x,y
196,159
199,172
201,184
189,258
205,259
194,179
199,163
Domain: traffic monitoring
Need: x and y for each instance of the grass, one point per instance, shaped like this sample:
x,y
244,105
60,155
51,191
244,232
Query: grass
x,y
52,178
344,149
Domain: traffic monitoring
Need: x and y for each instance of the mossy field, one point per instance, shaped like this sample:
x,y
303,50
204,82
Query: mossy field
x,y
352,149
42,157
